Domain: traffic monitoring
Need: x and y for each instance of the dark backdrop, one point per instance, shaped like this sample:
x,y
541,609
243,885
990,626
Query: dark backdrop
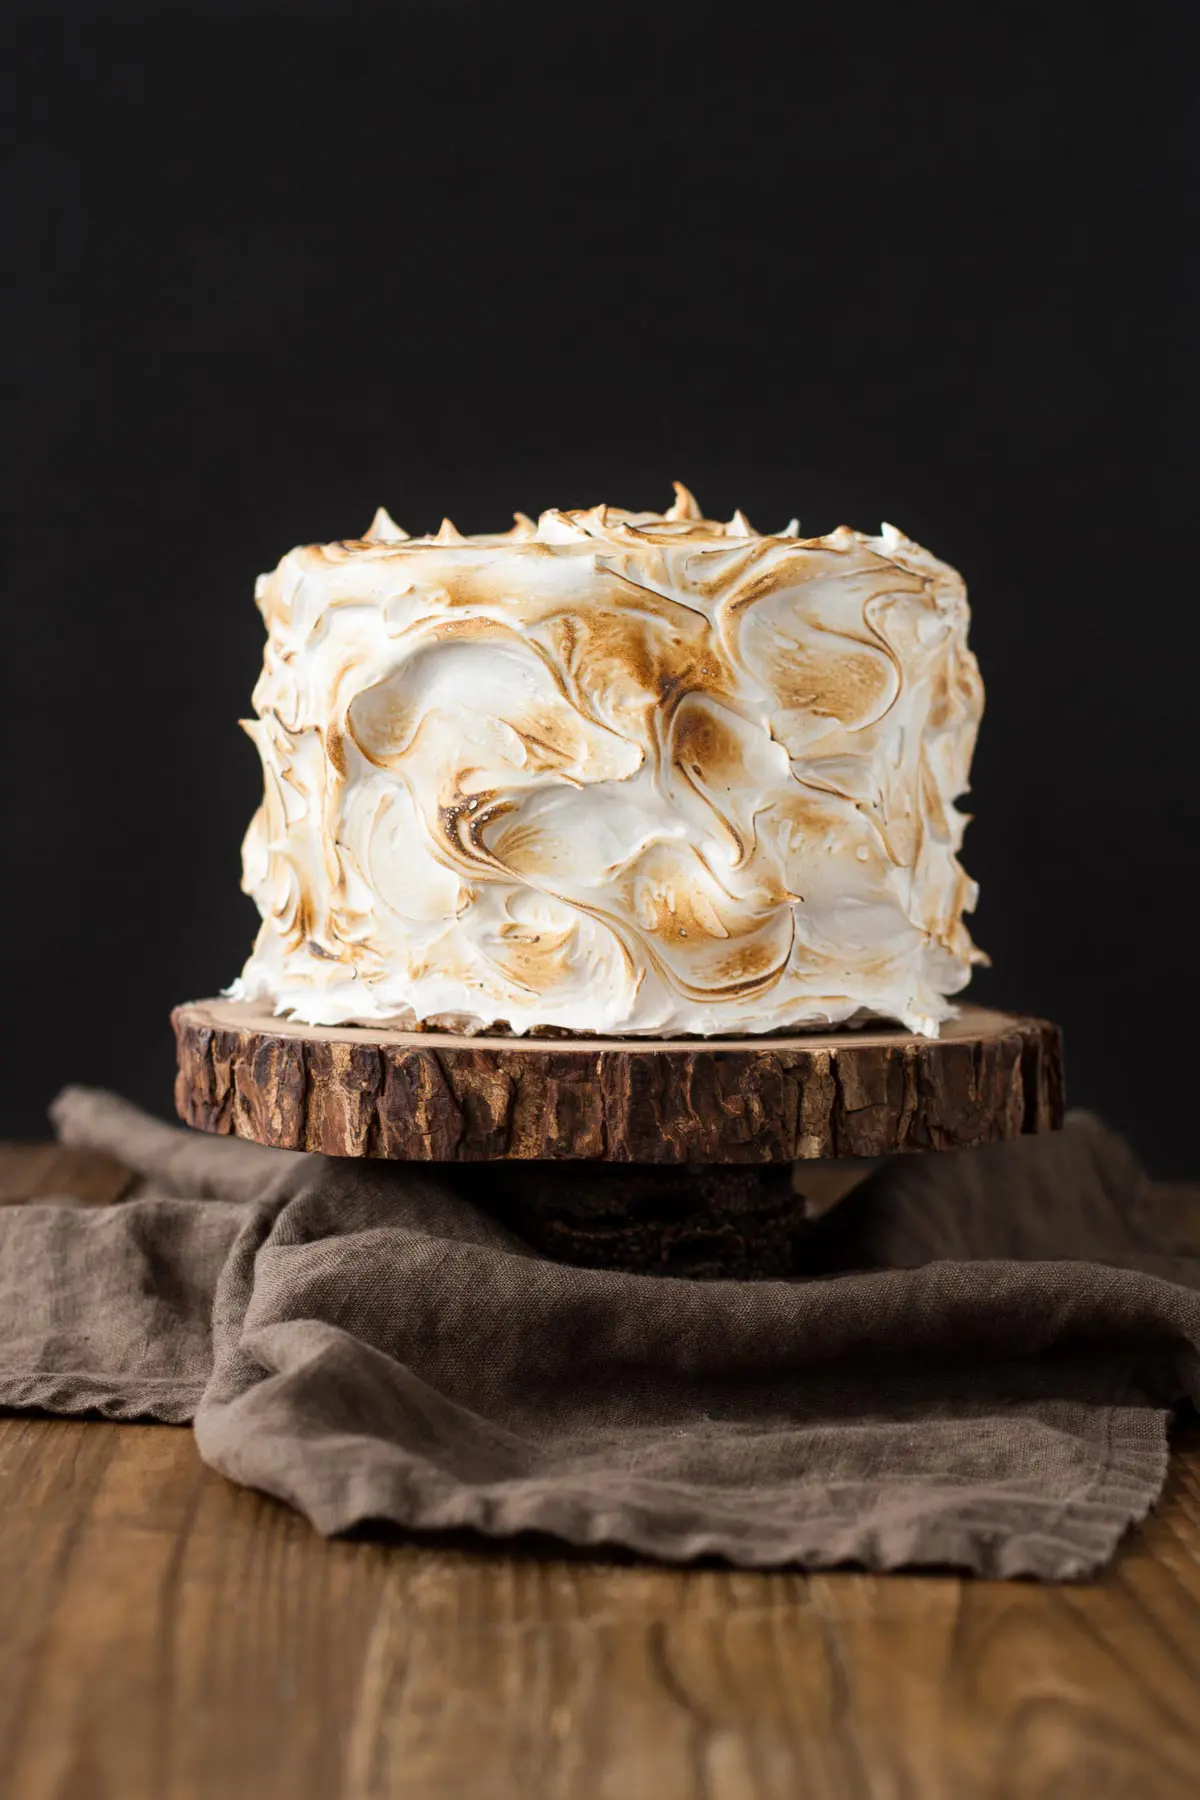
x,y
268,270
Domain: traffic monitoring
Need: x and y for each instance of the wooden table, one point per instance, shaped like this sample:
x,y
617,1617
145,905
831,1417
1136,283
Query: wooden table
x,y
166,1636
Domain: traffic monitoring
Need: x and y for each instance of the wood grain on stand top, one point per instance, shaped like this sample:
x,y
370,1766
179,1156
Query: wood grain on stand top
x,y
429,1096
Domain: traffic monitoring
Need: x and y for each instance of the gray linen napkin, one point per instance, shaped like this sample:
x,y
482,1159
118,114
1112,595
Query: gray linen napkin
x,y
979,1373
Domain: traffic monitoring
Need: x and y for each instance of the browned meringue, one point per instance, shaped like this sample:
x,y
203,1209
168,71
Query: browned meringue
x,y
612,772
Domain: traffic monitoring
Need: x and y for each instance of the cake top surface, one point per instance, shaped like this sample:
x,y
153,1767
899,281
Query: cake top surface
x,y
604,557
594,529
683,522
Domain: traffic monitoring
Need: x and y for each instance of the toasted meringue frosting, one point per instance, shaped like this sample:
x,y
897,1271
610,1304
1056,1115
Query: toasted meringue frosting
x,y
615,773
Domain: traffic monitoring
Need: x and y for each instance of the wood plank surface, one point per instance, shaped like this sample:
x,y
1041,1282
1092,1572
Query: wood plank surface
x,y
55,1171
167,1636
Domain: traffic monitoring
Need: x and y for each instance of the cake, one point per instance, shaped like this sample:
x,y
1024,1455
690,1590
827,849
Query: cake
x,y
612,773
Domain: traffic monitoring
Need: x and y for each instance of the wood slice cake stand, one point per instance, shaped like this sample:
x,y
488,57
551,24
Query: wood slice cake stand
x,y
711,1128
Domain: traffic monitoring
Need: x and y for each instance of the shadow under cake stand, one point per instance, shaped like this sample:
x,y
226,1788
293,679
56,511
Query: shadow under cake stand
x,y
711,1133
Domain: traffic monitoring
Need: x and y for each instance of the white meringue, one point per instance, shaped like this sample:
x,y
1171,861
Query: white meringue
x,y
621,773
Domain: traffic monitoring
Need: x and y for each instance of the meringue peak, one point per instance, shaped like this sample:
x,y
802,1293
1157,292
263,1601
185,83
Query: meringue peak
x,y
685,505
383,529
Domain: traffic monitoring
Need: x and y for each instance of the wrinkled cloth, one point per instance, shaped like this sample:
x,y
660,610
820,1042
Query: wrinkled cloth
x,y
979,1372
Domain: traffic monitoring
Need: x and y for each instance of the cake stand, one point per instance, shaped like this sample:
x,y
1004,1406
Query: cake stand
x,y
712,1133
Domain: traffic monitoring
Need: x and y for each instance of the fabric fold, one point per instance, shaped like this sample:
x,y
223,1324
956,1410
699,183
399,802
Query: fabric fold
x,y
979,1372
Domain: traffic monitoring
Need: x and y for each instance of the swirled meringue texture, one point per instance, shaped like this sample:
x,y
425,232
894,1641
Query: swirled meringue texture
x,y
617,773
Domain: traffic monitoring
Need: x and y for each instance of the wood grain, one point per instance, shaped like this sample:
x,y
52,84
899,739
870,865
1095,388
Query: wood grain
x,y
431,1097
54,1171
166,1636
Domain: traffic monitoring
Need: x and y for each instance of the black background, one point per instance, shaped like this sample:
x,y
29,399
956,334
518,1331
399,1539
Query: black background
x,y
268,269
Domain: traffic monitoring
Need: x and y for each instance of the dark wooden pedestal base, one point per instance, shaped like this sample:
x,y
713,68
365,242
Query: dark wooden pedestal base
x,y
704,1219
